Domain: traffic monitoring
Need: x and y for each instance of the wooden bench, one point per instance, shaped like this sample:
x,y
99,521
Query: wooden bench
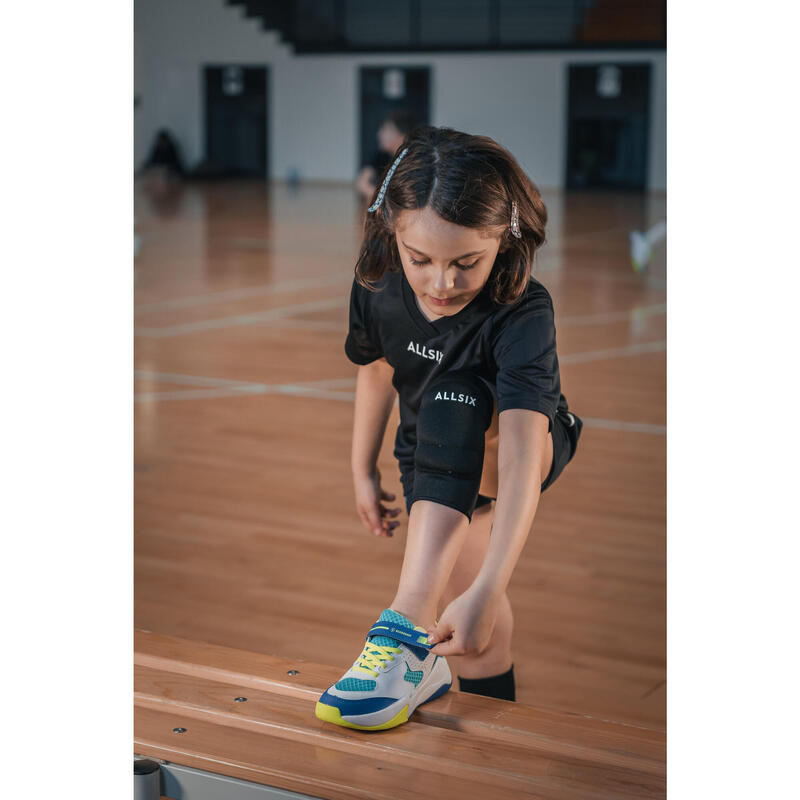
x,y
458,746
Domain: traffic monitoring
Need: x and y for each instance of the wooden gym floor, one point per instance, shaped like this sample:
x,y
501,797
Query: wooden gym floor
x,y
246,534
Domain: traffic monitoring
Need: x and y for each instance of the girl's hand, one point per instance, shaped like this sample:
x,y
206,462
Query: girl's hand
x,y
466,625
368,503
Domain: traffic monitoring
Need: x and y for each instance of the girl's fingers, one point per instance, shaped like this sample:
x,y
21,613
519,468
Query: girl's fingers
x,y
373,520
377,520
384,527
393,511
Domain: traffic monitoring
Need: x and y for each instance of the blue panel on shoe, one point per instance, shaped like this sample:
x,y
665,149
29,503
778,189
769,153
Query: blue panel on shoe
x,y
420,651
438,693
364,706
398,632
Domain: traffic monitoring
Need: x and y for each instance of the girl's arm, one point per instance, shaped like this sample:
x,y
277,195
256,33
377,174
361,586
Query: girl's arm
x,y
375,397
374,400
520,456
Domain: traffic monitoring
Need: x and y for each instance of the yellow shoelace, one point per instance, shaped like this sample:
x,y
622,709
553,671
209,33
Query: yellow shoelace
x,y
373,656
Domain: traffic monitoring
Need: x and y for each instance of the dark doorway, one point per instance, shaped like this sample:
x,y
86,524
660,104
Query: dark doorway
x,y
236,121
386,89
608,126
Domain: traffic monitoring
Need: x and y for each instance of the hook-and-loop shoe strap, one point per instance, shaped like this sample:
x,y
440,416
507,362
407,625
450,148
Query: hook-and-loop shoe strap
x,y
400,632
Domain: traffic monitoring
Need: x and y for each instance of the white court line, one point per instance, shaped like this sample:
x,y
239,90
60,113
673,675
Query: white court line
x,y
630,427
233,391
228,295
223,387
614,352
218,383
327,326
647,280
227,383
189,380
613,316
202,394
238,319
330,382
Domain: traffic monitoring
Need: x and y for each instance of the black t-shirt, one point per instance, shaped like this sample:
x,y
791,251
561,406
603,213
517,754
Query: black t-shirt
x,y
512,348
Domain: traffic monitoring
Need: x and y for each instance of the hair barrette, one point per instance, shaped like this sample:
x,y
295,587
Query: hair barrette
x,y
515,221
385,185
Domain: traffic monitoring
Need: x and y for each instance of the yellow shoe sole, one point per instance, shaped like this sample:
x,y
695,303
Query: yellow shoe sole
x,y
332,714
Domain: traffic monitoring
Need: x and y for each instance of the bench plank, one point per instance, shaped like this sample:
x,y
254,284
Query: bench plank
x,y
461,743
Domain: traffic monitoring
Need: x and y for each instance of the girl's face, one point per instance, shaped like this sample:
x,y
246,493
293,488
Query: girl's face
x,y
442,260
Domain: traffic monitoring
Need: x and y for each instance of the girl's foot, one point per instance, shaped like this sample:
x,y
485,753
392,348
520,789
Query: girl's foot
x,y
393,676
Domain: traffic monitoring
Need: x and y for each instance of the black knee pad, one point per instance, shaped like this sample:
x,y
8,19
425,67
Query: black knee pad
x,y
454,414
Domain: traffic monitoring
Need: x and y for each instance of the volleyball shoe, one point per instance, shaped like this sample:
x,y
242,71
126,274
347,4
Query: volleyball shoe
x,y
394,675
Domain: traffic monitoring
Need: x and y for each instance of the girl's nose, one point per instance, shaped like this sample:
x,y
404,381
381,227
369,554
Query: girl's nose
x,y
443,282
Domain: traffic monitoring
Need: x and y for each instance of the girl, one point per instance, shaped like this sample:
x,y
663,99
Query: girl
x,y
444,311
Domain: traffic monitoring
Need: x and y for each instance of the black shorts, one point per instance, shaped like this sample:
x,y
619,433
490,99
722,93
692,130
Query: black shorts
x,y
567,428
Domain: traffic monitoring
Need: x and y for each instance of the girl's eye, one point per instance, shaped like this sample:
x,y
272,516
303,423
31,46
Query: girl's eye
x,y
463,266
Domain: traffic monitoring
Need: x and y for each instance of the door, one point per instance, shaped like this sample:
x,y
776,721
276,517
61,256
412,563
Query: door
x,y
608,126
386,89
236,121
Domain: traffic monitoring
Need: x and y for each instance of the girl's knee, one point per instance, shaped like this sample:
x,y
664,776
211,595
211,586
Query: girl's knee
x,y
454,415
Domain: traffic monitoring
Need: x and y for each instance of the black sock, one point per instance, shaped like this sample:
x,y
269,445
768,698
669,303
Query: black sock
x,y
500,686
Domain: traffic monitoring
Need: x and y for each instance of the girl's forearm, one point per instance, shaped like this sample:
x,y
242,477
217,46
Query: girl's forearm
x,y
375,396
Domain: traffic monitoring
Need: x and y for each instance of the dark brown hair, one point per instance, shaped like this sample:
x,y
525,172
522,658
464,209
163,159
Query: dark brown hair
x,y
469,181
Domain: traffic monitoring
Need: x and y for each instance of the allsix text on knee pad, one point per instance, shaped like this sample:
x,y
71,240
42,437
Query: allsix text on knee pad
x,y
457,398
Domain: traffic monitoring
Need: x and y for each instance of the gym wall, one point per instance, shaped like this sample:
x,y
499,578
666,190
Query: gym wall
x,y
518,98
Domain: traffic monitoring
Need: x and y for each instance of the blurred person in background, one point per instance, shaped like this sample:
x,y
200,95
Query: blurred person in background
x,y
164,163
163,175
391,133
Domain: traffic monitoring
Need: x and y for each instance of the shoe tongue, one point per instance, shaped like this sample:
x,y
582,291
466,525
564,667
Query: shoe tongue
x,y
388,615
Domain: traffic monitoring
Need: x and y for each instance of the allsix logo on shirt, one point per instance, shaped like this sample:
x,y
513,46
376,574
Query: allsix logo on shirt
x,y
456,398
423,352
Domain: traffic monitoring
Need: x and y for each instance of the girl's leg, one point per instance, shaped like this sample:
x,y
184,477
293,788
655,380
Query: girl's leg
x,y
496,658
436,534
436,540
454,418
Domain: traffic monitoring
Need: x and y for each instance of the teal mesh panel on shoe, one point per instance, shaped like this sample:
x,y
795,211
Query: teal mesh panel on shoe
x,y
391,616
355,685
413,676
